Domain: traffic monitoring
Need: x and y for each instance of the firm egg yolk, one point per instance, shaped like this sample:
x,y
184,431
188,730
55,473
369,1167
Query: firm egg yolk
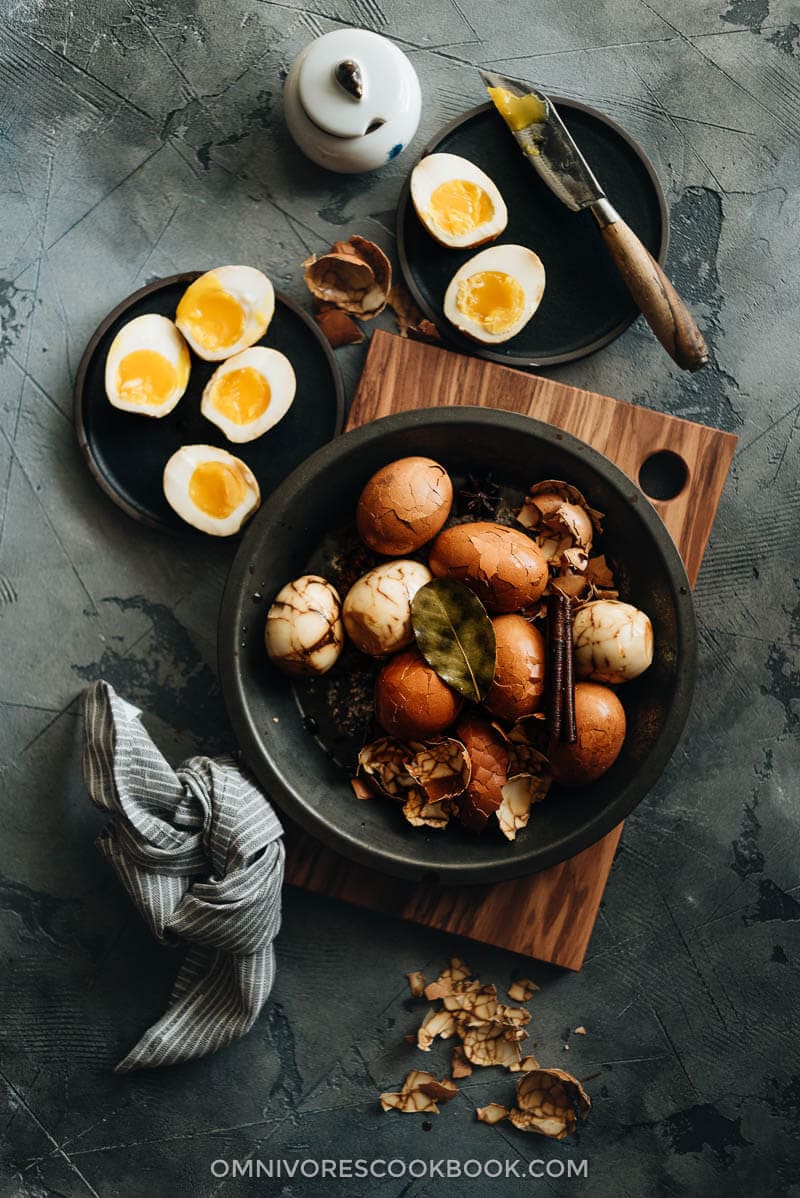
x,y
518,112
492,298
241,395
458,206
146,377
216,489
214,317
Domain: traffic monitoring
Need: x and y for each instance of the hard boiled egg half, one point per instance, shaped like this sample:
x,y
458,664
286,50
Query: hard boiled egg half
x,y
147,368
494,295
210,489
225,311
456,201
249,393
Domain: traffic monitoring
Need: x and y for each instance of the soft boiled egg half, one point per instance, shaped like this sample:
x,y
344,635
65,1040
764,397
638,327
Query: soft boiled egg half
x,y
225,311
249,393
211,489
147,367
494,295
456,201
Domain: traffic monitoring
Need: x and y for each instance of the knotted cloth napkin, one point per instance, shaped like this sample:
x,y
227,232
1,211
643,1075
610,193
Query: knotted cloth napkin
x,y
199,851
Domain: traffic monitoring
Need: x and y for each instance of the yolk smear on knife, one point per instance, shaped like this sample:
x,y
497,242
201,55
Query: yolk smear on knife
x,y
458,206
216,489
492,298
518,112
212,315
241,395
146,377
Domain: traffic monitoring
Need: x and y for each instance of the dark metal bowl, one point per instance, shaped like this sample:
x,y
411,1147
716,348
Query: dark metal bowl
x,y
269,713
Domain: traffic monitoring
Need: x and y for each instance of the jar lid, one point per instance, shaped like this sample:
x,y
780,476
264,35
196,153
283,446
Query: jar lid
x,y
339,65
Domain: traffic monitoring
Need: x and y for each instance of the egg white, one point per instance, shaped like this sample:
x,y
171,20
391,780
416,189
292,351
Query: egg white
x,y
516,260
177,475
272,365
256,297
160,335
435,169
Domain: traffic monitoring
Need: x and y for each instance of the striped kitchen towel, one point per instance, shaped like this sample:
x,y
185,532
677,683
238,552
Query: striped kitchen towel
x,y
200,852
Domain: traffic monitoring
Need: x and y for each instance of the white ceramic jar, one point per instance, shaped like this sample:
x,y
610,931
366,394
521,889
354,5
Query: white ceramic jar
x,y
352,100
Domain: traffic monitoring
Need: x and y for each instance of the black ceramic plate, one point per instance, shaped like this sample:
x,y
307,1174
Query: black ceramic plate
x,y
127,453
299,739
585,302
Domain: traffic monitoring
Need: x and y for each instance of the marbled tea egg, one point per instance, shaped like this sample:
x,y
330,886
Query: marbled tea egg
x,y
377,608
404,505
517,689
304,633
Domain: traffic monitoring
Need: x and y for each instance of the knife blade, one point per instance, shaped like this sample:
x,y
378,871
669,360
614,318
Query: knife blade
x,y
550,148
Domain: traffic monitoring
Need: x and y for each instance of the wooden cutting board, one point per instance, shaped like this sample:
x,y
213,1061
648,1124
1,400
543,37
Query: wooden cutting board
x,y
548,915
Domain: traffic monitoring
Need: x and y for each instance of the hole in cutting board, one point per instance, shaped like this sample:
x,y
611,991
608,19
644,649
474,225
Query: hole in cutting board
x,y
663,475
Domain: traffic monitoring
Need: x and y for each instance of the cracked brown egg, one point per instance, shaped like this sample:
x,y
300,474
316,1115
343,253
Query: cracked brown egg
x,y
411,701
377,608
404,505
304,633
600,720
489,759
517,689
504,567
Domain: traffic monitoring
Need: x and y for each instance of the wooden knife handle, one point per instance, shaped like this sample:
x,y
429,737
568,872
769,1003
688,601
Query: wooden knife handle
x,y
656,298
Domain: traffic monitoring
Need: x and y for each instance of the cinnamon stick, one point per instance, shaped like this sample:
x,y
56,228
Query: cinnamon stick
x,y
570,729
555,645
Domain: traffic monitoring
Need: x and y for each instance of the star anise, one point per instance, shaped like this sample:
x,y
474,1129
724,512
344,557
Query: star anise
x,y
479,496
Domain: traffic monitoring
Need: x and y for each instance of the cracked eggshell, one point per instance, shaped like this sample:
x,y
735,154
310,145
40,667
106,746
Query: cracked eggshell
x,y
377,608
489,758
613,641
411,701
600,720
518,686
504,567
404,505
304,633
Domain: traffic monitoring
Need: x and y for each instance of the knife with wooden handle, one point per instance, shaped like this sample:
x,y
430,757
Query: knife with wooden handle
x,y
551,151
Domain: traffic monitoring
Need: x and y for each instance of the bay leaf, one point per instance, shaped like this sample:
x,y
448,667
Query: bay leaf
x,y
455,636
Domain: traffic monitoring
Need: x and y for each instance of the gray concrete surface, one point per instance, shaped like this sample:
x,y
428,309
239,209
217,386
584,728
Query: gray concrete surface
x,y
142,137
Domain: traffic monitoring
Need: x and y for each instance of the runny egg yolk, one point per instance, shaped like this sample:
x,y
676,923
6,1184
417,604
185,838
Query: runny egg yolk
x,y
492,298
241,395
146,377
518,112
458,206
214,316
216,489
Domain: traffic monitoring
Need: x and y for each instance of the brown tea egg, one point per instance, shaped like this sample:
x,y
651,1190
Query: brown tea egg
x,y
377,608
411,701
504,567
304,634
518,686
404,505
600,719
488,754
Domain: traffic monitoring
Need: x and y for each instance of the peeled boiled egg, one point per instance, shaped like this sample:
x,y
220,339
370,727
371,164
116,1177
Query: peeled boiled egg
x,y
225,311
249,393
456,201
494,295
210,489
147,368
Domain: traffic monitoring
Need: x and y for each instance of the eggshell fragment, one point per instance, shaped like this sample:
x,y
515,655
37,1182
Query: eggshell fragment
x,y
600,720
304,633
404,505
355,275
505,568
411,701
377,608
518,687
